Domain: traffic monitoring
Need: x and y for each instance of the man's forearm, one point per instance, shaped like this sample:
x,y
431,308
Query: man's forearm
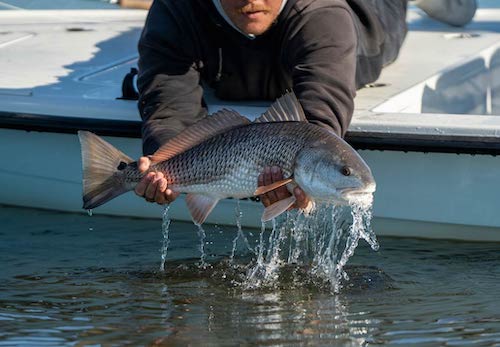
x,y
323,63
166,115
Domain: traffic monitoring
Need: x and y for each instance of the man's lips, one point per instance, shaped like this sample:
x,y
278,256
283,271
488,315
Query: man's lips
x,y
253,14
252,10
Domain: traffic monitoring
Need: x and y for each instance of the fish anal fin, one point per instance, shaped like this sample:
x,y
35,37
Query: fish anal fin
x,y
274,210
202,130
285,109
264,189
200,206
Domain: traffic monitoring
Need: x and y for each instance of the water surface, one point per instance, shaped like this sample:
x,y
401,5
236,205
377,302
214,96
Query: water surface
x,y
75,280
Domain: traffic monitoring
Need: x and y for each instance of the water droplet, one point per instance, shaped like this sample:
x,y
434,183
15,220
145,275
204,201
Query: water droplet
x,y
202,235
165,228
239,233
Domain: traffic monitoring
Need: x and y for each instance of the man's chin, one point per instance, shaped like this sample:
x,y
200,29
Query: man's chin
x,y
253,28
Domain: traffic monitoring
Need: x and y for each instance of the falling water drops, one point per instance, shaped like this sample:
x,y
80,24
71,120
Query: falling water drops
x,y
165,227
321,241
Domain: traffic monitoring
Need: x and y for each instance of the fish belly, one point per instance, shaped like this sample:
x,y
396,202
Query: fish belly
x,y
238,182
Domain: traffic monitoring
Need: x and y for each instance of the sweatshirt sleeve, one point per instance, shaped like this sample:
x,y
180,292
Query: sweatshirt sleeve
x,y
170,94
322,58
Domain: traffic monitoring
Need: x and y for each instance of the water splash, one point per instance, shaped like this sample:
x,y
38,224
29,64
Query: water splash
x,y
239,233
202,235
258,273
165,228
321,241
89,212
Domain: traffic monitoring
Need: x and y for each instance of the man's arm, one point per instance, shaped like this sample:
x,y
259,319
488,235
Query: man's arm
x,y
322,58
170,95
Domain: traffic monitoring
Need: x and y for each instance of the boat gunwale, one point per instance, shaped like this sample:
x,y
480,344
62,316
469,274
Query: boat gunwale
x,y
360,140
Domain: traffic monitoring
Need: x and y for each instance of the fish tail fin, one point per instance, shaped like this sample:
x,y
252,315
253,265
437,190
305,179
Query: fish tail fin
x,y
100,162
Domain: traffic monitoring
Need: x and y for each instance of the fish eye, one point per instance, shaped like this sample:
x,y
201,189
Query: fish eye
x,y
346,171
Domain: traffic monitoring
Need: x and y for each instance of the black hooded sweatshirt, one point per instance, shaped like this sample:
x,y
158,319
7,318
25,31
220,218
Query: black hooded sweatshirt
x,y
323,50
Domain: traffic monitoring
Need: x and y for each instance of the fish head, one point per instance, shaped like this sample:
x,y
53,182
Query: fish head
x,y
330,170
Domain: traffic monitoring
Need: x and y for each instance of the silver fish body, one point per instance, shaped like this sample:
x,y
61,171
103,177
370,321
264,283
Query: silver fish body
x,y
228,164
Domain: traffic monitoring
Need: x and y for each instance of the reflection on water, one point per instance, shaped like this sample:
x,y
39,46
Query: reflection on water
x,y
79,280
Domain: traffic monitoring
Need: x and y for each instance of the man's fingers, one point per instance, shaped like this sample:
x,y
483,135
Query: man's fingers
x,y
143,164
281,192
152,188
302,201
160,196
276,174
269,176
170,195
268,179
264,198
143,184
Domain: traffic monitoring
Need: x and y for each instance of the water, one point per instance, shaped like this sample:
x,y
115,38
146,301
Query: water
x,y
321,241
165,228
78,280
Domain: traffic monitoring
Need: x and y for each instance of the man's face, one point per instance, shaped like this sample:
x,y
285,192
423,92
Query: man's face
x,y
252,16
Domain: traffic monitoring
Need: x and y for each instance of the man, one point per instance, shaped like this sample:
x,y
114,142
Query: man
x,y
257,49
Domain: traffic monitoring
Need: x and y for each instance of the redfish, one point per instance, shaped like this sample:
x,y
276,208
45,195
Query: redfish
x,y
222,155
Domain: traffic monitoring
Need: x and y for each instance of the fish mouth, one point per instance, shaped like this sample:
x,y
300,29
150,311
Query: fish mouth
x,y
364,190
362,195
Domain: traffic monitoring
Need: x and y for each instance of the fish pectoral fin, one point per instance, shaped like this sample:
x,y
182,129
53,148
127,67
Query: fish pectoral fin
x,y
264,189
277,208
200,206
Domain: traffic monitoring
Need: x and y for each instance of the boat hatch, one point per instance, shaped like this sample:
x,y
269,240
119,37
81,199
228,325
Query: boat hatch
x,y
471,87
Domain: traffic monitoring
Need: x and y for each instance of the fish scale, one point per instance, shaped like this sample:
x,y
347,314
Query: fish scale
x,y
219,164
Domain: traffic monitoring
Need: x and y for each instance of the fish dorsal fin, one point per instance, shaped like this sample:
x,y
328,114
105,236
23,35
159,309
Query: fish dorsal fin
x,y
202,130
286,109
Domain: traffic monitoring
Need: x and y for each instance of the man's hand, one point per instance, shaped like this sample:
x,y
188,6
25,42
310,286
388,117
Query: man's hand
x,y
273,174
153,187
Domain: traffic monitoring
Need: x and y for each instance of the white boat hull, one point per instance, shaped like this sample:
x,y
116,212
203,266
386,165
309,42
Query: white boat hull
x,y
431,195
